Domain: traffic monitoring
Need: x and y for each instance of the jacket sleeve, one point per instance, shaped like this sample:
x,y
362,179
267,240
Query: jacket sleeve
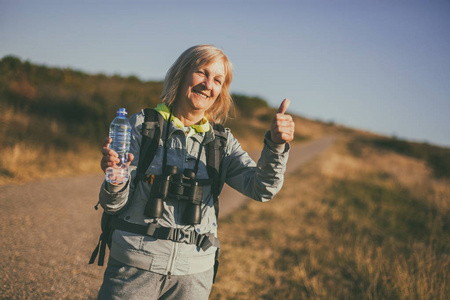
x,y
259,181
114,198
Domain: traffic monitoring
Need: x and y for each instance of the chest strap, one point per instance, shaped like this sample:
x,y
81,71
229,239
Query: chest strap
x,y
150,178
178,235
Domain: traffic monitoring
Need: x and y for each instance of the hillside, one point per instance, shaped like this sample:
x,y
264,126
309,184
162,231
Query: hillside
x,y
53,120
367,219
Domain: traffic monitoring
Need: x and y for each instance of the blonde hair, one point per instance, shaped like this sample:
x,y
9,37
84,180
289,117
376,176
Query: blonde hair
x,y
194,57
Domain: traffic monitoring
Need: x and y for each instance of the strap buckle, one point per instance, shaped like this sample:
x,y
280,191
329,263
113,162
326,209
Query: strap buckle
x,y
151,229
180,235
206,241
183,236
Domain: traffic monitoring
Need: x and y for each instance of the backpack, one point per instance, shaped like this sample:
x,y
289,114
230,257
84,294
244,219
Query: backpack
x,y
151,134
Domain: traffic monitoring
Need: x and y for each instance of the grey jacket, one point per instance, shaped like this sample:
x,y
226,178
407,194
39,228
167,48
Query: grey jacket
x,y
258,181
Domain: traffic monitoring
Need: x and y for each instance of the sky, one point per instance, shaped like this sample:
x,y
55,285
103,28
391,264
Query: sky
x,y
381,66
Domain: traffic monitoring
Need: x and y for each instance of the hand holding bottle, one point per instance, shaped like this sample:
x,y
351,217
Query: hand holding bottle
x,y
117,149
110,157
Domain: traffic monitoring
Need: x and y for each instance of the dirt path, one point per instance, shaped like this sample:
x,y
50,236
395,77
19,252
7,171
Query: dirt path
x,y
297,157
48,230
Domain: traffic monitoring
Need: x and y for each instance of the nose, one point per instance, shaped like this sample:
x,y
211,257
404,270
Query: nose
x,y
208,83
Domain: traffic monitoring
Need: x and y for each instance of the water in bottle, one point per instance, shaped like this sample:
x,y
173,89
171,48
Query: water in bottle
x,y
120,132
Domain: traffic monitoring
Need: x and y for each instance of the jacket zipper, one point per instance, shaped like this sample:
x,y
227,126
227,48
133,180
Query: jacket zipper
x,y
175,247
172,260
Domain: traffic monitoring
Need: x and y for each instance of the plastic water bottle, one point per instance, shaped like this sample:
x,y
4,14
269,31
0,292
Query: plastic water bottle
x,y
120,132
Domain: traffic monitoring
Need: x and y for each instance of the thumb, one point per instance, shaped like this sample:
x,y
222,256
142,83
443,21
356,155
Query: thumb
x,y
283,106
130,158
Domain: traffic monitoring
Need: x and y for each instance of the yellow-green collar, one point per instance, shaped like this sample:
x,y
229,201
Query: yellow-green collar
x,y
165,112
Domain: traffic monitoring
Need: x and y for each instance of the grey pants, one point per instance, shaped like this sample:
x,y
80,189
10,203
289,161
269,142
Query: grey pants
x,y
124,282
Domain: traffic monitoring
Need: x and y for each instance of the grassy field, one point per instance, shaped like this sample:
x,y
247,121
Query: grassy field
x,y
375,226
368,219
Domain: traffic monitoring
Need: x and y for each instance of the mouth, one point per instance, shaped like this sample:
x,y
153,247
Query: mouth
x,y
201,94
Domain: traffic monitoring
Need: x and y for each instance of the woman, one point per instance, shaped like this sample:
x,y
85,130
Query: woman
x,y
195,94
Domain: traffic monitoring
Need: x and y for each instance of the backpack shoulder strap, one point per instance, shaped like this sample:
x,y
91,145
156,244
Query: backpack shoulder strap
x,y
215,151
151,134
104,240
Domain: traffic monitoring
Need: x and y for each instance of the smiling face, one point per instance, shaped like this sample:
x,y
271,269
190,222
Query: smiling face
x,y
201,87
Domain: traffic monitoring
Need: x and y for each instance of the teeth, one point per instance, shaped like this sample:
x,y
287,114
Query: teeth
x,y
200,94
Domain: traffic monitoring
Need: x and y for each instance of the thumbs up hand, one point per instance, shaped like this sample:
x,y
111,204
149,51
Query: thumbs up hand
x,y
282,128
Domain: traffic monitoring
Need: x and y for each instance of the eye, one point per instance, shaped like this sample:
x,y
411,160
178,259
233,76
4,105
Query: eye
x,y
200,72
218,81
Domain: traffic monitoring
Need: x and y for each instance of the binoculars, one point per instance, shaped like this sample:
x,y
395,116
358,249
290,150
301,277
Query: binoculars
x,y
176,186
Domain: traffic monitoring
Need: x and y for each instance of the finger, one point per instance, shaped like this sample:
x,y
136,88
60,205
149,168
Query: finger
x,y
287,137
108,159
130,158
104,164
284,129
285,121
106,142
109,152
283,118
283,106
107,164
283,136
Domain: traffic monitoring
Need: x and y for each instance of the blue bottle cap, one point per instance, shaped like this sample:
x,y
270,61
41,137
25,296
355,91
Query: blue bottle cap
x,y
122,112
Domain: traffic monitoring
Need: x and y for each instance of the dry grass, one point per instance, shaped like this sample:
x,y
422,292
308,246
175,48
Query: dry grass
x,y
26,156
22,163
314,129
374,227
